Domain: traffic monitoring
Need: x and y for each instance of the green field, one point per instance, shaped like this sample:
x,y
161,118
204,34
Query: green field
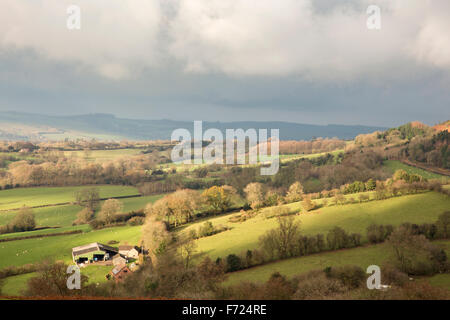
x,y
21,252
84,228
13,286
41,196
283,159
63,216
102,155
441,280
54,216
419,208
393,165
362,256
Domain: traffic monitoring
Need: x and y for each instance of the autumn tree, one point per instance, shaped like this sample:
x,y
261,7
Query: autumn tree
x,y
415,254
295,192
255,194
219,199
443,225
184,203
109,210
370,185
23,221
281,242
51,281
84,216
308,204
176,207
155,237
88,197
187,247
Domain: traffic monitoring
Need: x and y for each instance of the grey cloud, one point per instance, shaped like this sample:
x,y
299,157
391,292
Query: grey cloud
x,y
301,61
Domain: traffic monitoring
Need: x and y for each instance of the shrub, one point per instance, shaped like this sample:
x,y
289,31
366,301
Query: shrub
x,y
278,288
414,254
378,233
23,221
337,238
206,230
110,209
233,263
279,211
350,276
136,221
443,225
363,197
392,276
295,192
16,270
84,216
308,204
316,285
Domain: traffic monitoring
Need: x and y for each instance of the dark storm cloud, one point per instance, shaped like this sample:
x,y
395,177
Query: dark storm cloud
x,y
300,61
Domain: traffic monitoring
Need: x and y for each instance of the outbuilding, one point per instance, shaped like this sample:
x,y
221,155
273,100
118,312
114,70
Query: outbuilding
x,y
93,252
129,252
118,260
120,272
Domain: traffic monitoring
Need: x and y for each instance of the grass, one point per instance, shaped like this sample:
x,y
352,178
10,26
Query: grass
x,y
47,216
13,286
21,252
440,280
32,197
283,159
419,208
393,165
84,228
362,256
96,274
59,248
137,203
63,216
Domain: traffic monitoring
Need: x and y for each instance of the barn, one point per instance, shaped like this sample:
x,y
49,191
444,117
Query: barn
x,y
93,252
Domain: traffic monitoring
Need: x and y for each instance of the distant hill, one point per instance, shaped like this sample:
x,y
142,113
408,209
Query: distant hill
x,y
443,126
20,126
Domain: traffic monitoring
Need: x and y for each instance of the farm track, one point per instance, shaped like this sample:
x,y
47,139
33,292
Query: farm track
x,y
426,168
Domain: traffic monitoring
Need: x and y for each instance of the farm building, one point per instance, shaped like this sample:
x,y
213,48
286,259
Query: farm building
x,y
120,272
128,251
93,252
118,260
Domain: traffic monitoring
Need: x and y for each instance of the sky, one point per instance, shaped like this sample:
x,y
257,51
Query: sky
x,y
304,61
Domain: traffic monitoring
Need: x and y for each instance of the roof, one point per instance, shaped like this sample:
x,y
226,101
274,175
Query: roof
x,y
125,247
117,256
95,246
85,249
117,269
106,248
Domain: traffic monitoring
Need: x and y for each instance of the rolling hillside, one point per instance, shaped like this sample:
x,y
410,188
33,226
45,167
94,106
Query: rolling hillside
x,y
420,208
19,126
